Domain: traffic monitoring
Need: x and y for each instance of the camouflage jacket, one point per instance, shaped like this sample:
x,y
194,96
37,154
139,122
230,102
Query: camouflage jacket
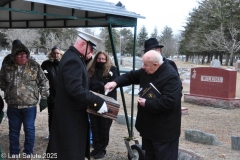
x,y
22,84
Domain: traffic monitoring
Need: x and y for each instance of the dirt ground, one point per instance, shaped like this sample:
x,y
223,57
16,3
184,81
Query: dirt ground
x,y
221,122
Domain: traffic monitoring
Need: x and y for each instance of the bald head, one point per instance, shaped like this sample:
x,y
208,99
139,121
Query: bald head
x,y
153,56
152,60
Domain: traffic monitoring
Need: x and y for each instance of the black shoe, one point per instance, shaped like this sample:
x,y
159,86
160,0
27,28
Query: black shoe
x,y
99,155
94,152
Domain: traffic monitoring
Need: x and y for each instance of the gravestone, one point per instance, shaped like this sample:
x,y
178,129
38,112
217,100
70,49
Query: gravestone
x,y
184,154
235,142
198,136
128,61
121,119
212,86
237,65
215,63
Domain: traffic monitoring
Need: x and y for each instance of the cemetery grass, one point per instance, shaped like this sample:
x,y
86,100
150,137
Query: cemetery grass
x,y
221,122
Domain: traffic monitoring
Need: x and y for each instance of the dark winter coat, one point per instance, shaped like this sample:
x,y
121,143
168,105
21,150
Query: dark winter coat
x,y
51,67
172,63
160,119
70,126
97,81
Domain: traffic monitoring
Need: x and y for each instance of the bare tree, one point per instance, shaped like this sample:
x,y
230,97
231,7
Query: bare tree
x,y
51,40
219,40
29,37
169,42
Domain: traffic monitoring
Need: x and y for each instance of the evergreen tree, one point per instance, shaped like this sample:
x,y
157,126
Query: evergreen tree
x,y
126,38
168,41
142,36
104,34
155,33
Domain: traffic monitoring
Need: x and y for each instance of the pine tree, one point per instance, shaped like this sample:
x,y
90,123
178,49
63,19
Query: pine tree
x,y
142,36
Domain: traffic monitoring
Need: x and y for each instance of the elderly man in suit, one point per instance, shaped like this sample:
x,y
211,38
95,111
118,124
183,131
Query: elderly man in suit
x,y
158,119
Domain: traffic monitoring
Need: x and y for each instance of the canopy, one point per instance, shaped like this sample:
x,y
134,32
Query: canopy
x,y
64,14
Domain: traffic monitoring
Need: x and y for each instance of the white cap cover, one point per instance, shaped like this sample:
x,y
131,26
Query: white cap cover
x,y
93,41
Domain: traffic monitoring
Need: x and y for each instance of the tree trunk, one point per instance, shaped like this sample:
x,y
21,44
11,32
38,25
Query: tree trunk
x,y
187,58
227,59
231,59
209,58
203,58
221,58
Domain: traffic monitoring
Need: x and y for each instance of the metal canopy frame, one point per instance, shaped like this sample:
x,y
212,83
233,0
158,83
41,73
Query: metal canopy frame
x,y
16,14
63,14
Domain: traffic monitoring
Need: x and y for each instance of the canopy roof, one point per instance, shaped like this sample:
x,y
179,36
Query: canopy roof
x,y
64,14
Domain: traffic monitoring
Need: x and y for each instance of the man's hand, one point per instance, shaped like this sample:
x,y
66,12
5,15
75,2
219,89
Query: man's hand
x,y
110,86
43,104
141,101
103,109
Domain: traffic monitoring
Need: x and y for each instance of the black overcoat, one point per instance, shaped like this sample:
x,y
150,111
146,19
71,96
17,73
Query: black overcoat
x,y
160,119
70,126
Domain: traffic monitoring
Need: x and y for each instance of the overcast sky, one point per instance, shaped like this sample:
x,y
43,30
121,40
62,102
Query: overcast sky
x,y
160,13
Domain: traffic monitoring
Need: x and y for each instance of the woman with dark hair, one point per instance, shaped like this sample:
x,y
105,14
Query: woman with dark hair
x,y
50,68
101,70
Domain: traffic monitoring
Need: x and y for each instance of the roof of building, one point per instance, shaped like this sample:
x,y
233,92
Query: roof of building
x,y
64,13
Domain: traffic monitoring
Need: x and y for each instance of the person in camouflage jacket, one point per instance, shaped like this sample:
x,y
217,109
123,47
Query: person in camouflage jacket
x,y
22,79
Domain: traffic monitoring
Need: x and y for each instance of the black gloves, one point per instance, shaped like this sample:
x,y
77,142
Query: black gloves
x,y
98,88
43,104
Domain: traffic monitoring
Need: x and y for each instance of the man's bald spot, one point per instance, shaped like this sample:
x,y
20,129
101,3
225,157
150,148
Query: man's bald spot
x,y
152,56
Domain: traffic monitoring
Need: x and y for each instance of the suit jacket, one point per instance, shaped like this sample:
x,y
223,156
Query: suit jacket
x,y
70,126
160,119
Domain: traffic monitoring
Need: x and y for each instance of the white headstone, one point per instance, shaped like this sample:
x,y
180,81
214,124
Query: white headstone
x,y
237,65
215,63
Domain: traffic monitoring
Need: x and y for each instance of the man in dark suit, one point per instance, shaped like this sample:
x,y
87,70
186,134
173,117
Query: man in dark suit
x,y
70,125
152,44
158,119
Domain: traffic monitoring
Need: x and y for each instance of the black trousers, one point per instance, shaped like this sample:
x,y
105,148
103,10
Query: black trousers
x,y
160,151
50,114
100,131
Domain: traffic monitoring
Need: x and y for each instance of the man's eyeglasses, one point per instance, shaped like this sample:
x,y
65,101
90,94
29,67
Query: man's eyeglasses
x,y
21,55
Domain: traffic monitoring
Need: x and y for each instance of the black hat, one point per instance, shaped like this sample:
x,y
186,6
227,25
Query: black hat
x,y
16,41
55,47
151,43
